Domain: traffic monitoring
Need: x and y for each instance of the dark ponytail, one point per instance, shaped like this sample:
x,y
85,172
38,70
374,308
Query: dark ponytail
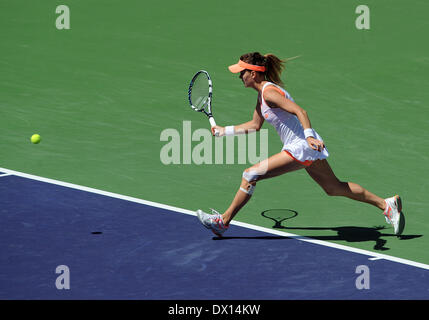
x,y
274,67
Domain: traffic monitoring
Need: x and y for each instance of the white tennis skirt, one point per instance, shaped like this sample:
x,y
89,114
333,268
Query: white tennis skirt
x,y
303,153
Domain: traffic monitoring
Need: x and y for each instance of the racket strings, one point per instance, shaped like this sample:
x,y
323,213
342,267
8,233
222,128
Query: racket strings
x,y
200,93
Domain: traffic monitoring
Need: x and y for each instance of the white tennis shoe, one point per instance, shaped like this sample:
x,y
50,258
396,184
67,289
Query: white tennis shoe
x,y
392,213
213,221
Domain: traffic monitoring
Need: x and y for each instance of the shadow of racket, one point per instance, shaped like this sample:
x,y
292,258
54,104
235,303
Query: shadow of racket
x,y
278,216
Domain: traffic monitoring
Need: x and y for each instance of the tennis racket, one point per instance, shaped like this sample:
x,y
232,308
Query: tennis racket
x,y
200,95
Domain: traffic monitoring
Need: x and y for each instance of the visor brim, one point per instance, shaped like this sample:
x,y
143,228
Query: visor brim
x,y
236,68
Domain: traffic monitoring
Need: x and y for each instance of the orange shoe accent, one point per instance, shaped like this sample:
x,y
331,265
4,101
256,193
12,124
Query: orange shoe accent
x,y
388,212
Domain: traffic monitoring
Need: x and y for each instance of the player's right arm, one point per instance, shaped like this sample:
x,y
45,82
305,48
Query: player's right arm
x,y
250,126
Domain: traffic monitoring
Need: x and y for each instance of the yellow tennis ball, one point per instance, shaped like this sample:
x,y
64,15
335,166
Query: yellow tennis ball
x,y
35,138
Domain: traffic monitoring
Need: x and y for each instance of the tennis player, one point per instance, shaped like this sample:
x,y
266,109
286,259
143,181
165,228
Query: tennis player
x,y
303,147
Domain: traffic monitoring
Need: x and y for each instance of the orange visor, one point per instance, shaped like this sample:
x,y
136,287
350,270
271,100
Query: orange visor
x,y
241,65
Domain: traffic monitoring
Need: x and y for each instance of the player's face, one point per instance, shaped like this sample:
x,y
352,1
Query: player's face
x,y
244,76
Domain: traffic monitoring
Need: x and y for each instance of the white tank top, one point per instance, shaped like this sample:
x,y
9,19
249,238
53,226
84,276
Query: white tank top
x,y
289,128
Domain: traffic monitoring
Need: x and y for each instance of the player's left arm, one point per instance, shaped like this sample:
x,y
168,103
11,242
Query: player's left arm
x,y
275,100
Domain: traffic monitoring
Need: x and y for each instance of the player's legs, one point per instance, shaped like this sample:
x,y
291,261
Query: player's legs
x,y
322,173
275,165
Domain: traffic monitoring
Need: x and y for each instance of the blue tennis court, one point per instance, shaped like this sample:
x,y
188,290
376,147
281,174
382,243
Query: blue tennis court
x,y
120,248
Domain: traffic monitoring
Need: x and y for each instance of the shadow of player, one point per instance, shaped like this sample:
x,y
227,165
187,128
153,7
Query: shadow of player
x,y
345,233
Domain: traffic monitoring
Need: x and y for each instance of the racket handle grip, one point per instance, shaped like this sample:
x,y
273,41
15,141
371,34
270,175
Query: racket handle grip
x,y
213,123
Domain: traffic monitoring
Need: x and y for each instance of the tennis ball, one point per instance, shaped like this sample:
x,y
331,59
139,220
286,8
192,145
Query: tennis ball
x,y
35,138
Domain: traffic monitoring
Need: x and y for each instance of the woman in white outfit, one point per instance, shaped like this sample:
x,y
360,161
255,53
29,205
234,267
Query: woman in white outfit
x,y
303,147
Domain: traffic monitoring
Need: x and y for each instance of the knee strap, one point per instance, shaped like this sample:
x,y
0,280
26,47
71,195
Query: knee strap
x,y
250,175
250,190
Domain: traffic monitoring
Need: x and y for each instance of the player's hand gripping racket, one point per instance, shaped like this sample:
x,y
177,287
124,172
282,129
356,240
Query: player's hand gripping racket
x,y
200,96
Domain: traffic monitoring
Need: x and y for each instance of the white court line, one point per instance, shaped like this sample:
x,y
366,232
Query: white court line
x,y
372,255
5,174
374,258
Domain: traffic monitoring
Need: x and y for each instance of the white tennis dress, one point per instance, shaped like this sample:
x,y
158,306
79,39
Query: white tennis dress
x,y
290,129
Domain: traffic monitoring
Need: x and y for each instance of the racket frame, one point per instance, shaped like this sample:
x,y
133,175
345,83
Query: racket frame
x,y
207,112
